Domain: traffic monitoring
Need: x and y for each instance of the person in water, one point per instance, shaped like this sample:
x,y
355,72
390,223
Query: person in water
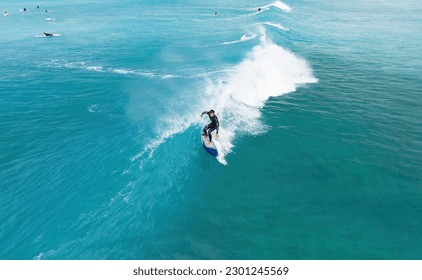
x,y
48,34
214,125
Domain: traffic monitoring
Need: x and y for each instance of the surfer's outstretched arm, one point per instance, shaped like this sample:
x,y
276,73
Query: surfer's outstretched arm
x,y
203,113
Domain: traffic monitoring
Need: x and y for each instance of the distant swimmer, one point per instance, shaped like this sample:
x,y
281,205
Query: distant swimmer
x,y
243,38
259,9
48,34
214,125
24,9
6,14
215,13
38,7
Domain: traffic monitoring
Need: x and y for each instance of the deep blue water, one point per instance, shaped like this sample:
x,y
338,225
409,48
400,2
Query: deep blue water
x,y
320,141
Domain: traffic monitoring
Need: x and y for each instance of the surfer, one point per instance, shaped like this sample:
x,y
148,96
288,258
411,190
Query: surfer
x,y
214,125
259,9
48,34
6,14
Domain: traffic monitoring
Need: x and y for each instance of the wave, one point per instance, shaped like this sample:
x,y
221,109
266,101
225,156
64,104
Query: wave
x,y
237,94
277,4
97,68
92,68
276,25
130,72
169,76
268,70
244,38
280,5
101,69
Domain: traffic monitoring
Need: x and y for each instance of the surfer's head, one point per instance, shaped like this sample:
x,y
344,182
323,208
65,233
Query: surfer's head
x,y
212,113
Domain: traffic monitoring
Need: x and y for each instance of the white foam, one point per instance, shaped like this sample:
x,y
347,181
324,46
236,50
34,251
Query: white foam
x,y
93,108
145,74
123,71
269,70
244,38
281,6
95,68
223,144
276,25
98,68
169,76
130,72
278,4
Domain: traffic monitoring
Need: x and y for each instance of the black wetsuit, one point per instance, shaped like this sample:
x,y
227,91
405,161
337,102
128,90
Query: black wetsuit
x,y
212,126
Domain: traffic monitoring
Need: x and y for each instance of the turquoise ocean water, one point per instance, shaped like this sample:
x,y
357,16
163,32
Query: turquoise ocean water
x,y
321,131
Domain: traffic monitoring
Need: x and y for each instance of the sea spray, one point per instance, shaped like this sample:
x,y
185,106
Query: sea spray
x,y
278,4
268,70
